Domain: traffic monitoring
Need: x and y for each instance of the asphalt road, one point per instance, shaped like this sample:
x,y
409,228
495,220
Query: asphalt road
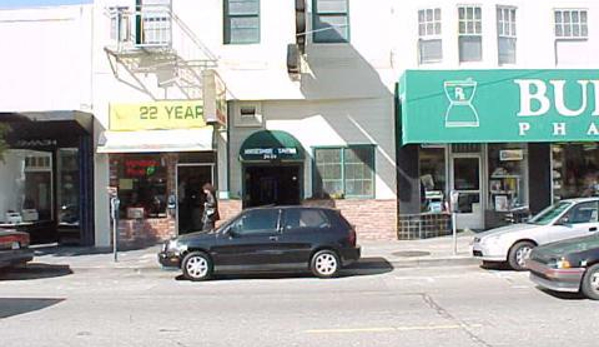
x,y
48,305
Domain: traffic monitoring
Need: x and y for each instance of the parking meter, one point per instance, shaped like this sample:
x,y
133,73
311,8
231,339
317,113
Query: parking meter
x,y
454,205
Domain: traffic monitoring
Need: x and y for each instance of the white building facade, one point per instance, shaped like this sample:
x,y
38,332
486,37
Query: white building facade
x,y
285,102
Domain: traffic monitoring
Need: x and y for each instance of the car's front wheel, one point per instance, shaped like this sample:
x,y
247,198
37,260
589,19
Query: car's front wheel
x,y
590,283
519,253
325,264
196,266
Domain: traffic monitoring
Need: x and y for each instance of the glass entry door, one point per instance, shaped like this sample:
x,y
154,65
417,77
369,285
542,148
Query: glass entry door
x,y
466,179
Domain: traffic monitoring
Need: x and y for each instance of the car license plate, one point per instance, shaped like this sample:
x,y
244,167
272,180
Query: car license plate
x,y
15,245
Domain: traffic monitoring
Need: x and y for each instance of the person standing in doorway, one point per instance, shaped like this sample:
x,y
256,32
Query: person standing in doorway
x,y
210,215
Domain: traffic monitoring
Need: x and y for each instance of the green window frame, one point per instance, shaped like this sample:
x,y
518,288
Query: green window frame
x,y
241,21
344,172
330,21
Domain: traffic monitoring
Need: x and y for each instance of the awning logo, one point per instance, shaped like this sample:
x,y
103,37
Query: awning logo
x,y
461,112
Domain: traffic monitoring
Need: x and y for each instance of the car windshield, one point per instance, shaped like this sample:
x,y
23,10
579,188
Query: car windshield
x,y
547,215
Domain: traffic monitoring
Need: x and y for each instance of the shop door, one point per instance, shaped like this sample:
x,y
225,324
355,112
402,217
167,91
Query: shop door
x,y
466,177
190,198
272,185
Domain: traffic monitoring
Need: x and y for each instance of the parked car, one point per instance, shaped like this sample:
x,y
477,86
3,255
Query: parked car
x,y
14,248
267,239
512,244
567,266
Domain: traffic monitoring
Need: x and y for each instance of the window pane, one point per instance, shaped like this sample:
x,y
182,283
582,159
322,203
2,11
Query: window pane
x,y
575,18
296,219
431,51
558,16
243,7
513,28
421,29
507,50
437,28
558,30
470,48
243,30
429,15
576,31
584,31
583,16
567,30
499,14
430,28
462,28
258,221
478,28
469,13
335,28
566,16
331,6
470,27
437,14
420,16
461,13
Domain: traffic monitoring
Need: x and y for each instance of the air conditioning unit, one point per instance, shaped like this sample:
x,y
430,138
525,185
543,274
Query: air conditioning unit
x,y
293,59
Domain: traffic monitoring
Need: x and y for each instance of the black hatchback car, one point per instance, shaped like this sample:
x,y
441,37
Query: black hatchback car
x,y
267,239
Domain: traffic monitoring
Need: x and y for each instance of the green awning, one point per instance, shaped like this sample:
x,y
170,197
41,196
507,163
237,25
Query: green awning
x,y
486,106
266,145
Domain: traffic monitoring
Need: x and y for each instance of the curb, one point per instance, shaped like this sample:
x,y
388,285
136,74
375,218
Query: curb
x,y
363,264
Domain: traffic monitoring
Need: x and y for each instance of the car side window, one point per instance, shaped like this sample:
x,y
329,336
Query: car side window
x,y
305,218
587,212
257,222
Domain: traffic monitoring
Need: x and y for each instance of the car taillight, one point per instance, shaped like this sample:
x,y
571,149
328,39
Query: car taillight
x,y
352,236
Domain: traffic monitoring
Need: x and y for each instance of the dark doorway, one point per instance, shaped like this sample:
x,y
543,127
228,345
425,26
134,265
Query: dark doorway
x,y
190,179
268,185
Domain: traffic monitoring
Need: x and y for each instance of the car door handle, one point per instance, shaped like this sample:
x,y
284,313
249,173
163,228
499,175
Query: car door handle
x,y
593,229
274,238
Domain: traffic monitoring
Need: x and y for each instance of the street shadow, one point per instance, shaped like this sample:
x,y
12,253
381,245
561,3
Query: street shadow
x,y
364,267
501,266
76,251
33,271
15,306
562,295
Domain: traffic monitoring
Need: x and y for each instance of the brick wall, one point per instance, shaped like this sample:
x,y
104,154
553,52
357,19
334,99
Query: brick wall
x,y
143,232
228,209
374,219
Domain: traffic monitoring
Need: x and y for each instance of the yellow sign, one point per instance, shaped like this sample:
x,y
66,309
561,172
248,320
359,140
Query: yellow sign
x,y
157,115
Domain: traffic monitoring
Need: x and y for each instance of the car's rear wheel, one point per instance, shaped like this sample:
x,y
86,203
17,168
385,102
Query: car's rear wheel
x,y
590,283
197,266
518,255
325,264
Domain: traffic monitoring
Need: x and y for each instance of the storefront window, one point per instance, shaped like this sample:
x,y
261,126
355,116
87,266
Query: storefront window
x,y
575,170
68,187
142,185
508,183
432,179
26,187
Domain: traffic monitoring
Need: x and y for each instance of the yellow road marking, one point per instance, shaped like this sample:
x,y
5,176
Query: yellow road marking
x,y
392,329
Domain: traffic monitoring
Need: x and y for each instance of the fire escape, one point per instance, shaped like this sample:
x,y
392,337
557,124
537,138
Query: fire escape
x,y
153,40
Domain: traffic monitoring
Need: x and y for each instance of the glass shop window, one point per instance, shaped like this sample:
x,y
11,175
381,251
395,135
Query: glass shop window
x,y
142,184
575,170
432,179
508,176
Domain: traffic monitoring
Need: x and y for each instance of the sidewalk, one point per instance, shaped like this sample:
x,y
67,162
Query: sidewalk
x,y
399,254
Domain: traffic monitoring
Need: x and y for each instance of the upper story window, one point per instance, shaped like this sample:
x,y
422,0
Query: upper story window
x,y
470,33
330,21
571,35
242,21
571,24
430,44
506,34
